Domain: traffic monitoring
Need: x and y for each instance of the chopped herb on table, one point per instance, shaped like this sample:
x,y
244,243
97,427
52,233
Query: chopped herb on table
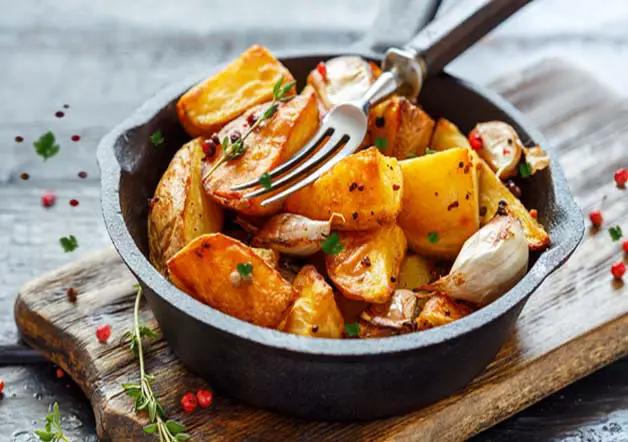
x,y
69,243
157,138
46,147
331,245
53,431
615,233
352,329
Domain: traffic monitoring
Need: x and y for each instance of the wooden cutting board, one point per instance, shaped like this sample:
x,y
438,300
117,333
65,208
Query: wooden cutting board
x,y
574,324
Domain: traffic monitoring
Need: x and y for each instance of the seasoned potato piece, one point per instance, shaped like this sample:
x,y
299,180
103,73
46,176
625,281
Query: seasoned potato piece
x,y
289,129
492,191
348,78
368,266
440,202
365,189
447,136
207,270
315,312
180,210
247,81
270,256
440,309
404,126
415,272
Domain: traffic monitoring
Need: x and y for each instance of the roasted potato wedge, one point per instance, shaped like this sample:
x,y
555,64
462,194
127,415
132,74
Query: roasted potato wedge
x,y
315,312
207,270
270,256
180,210
244,83
440,202
440,309
447,136
367,268
289,129
365,189
415,272
492,191
403,128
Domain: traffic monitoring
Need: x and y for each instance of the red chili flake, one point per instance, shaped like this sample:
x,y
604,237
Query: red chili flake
x,y
19,139
322,69
618,269
505,151
59,373
72,294
251,119
59,114
596,218
625,246
396,187
76,138
475,140
82,175
74,202
621,177
204,398
188,402
534,213
48,199
103,333
24,176
1,386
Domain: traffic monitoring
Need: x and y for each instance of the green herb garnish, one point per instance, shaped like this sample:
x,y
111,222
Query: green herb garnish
x,y
69,243
525,170
381,143
52,431
615,232
352,329
45,146
429,151
245,270
157,138
266,181
432,237
411,155
331,245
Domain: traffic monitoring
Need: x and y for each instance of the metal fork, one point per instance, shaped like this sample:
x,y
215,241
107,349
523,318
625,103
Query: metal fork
x,y
404,71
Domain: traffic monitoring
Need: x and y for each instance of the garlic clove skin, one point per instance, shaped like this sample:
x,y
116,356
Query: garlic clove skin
x,y
292,234
490,263
399,312
348,78
501,147
536,158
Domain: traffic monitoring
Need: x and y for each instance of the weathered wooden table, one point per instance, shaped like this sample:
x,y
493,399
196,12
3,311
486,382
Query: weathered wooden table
x,y
103,58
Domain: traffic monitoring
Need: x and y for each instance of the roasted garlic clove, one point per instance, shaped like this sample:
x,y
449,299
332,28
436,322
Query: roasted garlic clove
x,y
399,312
501,147
536,158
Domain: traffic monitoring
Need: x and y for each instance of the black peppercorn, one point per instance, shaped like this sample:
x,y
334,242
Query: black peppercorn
x,y
380,122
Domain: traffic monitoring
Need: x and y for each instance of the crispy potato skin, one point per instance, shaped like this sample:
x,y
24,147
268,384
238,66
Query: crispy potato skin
x,y
291,127
492,191
440,309
368,266
415,272
440,195
365,188
315,306
180,210
204,268
406,127
270,256
244,83
447,136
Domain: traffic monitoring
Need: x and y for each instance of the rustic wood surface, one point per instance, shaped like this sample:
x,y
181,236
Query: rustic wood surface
x,y
105,57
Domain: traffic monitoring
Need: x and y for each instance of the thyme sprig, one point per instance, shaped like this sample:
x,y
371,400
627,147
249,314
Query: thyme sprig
x,y
145,399
52,431
235,149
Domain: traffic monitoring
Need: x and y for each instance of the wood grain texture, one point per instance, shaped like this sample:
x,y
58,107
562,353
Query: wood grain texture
x,y
574,324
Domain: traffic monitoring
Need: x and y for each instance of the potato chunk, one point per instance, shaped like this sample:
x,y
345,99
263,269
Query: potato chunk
x,y
368,266
244,83
270,145
440,309
404,128
365,189
207,269
440,202
180,210
492,191
315,312
415,272
447,136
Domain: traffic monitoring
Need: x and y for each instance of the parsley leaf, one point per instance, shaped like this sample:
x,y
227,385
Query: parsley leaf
x,y
525,170
157,138
45,146
69,243
432,237
245,270
331,245
615,232
352,329
265,181
53,431
429,151
411,155
381,143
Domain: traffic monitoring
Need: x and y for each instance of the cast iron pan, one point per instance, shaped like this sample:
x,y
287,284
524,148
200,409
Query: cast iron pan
x,y
324,378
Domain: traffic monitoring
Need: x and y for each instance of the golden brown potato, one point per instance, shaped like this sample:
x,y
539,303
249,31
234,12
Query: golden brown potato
x,y
368,266
447,136
289,129
244,83
492,191
404,126
365,189
440,202
440,309
207,269
415,272
180,210
270,256
315,312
